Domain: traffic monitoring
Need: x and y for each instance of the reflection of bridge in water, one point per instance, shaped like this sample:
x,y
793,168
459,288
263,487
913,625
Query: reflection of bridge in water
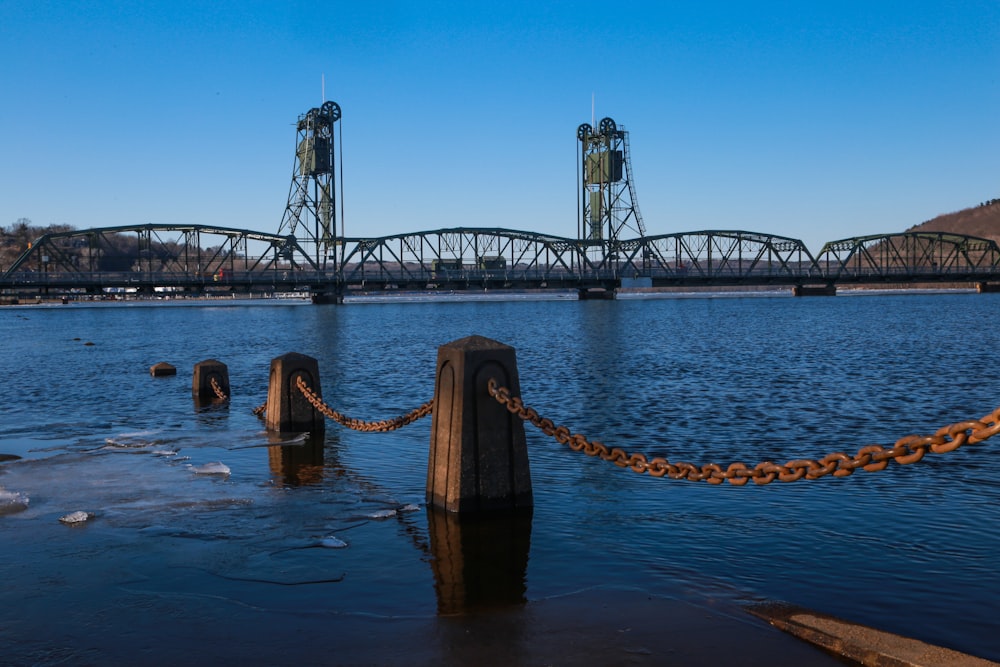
x,y
612,249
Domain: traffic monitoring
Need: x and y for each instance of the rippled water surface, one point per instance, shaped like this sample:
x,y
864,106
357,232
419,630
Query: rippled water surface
x,y
913,550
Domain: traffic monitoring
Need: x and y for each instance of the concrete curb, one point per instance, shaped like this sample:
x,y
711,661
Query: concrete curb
x,y
867,646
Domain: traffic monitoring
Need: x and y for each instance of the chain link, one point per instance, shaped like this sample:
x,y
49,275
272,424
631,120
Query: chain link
x,y
908,449
217,389
260,410
357,424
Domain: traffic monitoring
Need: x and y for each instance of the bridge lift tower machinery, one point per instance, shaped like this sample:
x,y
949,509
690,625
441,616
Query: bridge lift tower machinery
x,y
608,209
311,217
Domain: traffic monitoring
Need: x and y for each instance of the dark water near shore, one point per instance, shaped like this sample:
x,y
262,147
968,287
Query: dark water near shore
x,y
913,550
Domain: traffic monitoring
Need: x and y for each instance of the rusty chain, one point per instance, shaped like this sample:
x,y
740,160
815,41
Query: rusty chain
x,y
908,449
357,424
221,395
260,410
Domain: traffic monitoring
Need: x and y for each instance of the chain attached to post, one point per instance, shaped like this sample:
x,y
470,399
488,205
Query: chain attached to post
x,y
908,449
221,395
357,424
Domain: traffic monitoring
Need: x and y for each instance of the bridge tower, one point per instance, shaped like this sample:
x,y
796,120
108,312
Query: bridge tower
x,y
317,185
608,209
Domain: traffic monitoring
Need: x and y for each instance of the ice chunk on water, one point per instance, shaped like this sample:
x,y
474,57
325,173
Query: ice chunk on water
x,y
11,501
213,468
410,508
136,440
332,542
382,514
76,517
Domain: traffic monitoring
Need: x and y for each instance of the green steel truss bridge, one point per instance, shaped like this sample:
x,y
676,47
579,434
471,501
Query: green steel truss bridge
x,y
200,259
310,252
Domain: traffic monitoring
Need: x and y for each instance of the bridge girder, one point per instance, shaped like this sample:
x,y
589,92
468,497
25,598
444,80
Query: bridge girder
x,y
720,255
461,254
910,257
463,257
160,248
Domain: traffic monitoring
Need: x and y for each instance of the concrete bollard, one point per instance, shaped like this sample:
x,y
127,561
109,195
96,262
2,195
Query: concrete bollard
x,y
479,458
287,409
162,369
201,381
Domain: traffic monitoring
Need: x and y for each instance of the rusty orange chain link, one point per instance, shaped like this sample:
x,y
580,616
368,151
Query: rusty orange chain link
x,y
908,449
217,389
357,424
260,410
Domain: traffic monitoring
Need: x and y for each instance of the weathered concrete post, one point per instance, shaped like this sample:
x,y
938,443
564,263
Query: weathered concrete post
x,y
162,369
478,459
201,381
287,409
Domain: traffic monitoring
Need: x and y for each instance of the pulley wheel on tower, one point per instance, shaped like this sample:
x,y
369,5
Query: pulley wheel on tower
x,y
584,131
332,110
607,126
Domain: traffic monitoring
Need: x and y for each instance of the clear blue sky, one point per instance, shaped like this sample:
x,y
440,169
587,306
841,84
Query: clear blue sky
x,y
815,120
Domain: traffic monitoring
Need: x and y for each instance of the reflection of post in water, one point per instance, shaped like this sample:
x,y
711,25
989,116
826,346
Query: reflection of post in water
x,y
479,561
298,464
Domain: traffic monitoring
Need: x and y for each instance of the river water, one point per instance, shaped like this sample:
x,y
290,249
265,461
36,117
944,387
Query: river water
x,y
339,530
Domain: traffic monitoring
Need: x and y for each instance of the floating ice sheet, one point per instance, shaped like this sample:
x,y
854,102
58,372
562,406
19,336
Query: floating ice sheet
x,y
12,501
76,517
331,542
213,468
136,440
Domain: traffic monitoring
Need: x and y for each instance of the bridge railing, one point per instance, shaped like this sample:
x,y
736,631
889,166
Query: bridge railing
x,y
30,278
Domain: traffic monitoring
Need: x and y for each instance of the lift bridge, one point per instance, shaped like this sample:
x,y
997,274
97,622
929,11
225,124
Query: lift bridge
x,y
310,252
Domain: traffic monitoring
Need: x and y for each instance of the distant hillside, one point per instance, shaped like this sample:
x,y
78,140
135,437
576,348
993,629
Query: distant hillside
x,y
982,220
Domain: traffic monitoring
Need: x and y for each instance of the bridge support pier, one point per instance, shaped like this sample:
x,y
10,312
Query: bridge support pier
x,y
322,298
478,455
987,288
596,294
814,290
